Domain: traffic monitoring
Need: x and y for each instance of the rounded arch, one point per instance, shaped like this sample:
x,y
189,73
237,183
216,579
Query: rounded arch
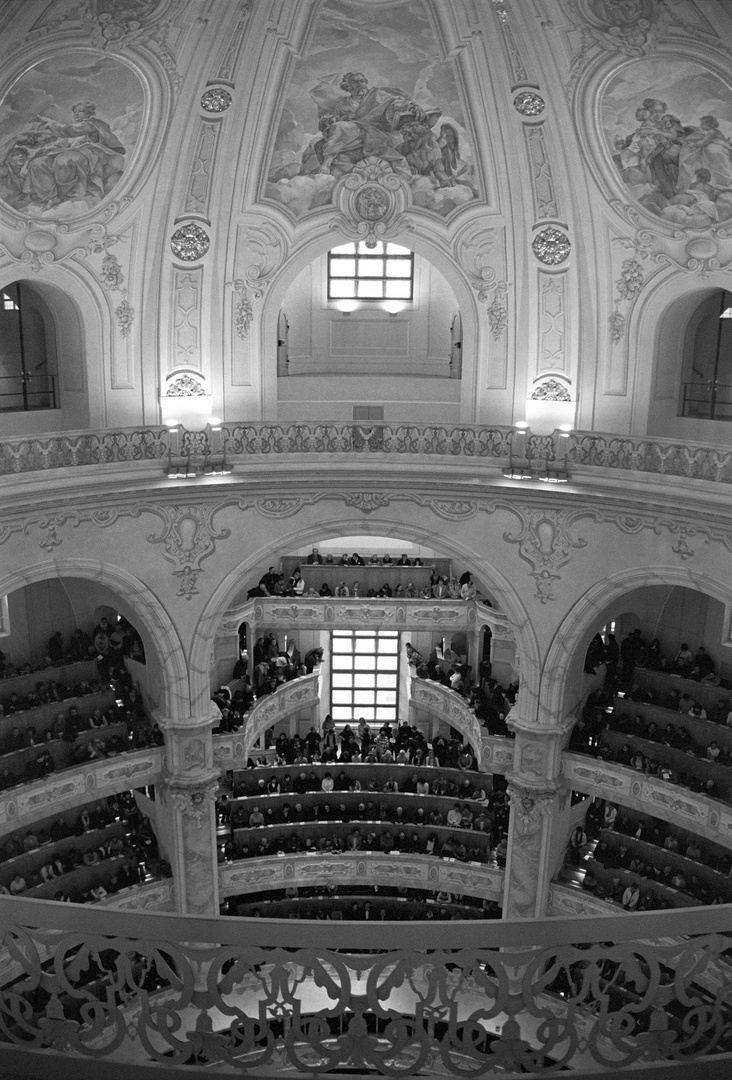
x,y
506,596
163,648
320,239
569,645
658,329
80,318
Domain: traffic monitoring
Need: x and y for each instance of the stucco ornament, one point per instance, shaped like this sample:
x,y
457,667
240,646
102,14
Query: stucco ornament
x,y
551,390
193,800
190,242
545,541
551,246
528,103
188,537
371,201
185,386
216,100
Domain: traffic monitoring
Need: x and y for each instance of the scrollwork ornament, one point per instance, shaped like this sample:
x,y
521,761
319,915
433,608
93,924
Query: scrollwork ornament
x,y
190,242
551,247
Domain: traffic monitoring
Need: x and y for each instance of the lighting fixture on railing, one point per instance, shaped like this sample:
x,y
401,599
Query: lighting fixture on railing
x,y
518,467
197,456
347,306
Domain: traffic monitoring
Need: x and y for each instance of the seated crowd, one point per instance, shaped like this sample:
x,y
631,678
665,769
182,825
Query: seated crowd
x,y
439,586
646,864
108,644
685,749
361,904
110,841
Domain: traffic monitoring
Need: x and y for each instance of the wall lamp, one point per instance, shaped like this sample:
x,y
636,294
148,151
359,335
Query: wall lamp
x,y
347,306
533,460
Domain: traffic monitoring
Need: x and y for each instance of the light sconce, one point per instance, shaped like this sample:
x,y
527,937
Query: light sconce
x,y
518,467
347,306
393,306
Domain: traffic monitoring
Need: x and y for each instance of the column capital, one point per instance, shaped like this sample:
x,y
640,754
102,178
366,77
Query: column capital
x,y
531,803
192,798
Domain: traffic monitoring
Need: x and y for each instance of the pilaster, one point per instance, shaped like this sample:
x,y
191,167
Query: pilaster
x,y
538,799
187,797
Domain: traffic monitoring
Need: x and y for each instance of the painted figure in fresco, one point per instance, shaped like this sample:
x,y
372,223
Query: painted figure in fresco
x,y
84,159
357,121
682,173
79,160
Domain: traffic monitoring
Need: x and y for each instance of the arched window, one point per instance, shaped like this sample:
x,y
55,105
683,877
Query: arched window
x,y
706,392
27,352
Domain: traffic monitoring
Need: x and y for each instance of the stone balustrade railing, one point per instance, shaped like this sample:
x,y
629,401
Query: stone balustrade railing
x,y
494,753
330,613
237,443
292,699
353,869
678,806
24,804
114,992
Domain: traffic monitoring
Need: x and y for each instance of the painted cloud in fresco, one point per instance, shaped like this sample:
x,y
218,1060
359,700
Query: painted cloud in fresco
x,y
669,130
372,90
67,130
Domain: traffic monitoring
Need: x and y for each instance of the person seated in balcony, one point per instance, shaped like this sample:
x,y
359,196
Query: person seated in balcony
x,y
386,590
17,885
256,818
426,592
683,662
698,711
296,584
440,590
713,751
703,667
410,591
467,587
631,896
314,557
342,590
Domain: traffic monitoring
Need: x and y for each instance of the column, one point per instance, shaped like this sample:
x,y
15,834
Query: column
x,y
187,796
538,798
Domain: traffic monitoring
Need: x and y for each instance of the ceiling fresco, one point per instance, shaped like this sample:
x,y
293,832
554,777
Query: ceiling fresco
x,y
67,131
373,88
669,130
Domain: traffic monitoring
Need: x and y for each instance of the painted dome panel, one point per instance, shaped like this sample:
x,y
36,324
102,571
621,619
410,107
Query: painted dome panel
x,y
373,84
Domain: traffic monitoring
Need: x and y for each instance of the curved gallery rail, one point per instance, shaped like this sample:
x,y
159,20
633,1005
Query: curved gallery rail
x,y
238,442
255,997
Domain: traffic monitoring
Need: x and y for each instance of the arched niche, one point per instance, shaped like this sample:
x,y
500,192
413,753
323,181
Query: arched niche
x,y
69,593
663,327
234,588
460,394
66,320
338,359
668,603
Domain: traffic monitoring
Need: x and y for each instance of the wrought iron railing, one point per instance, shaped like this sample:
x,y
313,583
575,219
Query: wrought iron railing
x,y
266,997
234,444
25,393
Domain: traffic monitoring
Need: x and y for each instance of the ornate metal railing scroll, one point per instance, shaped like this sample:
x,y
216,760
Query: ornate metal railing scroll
x,y
258,998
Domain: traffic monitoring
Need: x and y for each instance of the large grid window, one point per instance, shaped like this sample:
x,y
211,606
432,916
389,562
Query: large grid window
x,y
358,272
364,675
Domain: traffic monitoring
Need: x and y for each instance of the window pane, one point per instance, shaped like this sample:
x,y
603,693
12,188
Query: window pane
x,y
347,268
384,713
386,697
344,249
341,712
364,663
371,289
341,697
342,663
377,249
364,697
397,289
394,249
370,267
343,680
388,663
385,680
388,645
342,288
342,645
366,644
363,681
398,268
367,713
